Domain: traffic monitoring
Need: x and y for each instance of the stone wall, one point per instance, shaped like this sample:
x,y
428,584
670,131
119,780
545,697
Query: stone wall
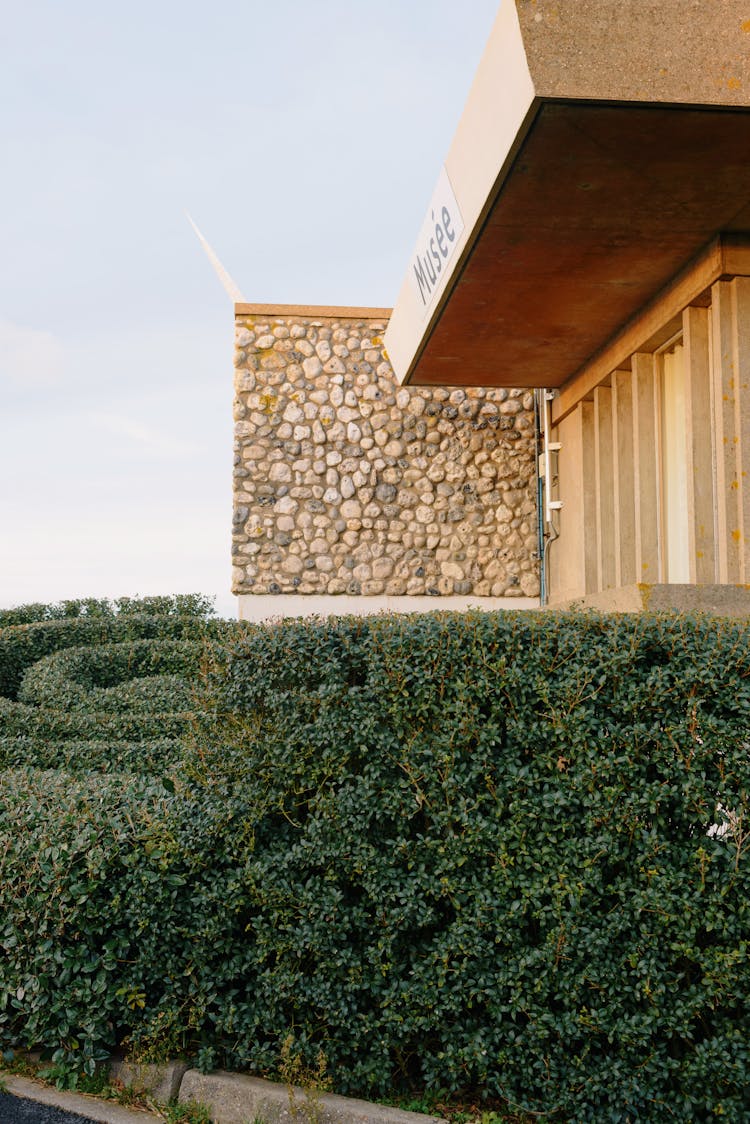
x,y
346,483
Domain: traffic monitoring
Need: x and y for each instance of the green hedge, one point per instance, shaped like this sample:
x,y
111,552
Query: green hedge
x,y
100,685
20,720
147,756
164,618
181,604
77,870
144,675
481,851
494,851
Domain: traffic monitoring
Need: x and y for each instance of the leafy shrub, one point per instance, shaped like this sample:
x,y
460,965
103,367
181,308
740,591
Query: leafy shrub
x,y
78,858
38,611
181,605
499,851
94,688
143,675
507,852
23,644
147,756
20,719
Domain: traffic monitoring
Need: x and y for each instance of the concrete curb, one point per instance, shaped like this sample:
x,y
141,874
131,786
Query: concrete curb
x,y
104,1112
233,1098
162,1082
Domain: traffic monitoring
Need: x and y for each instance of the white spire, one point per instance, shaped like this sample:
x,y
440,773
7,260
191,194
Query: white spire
x,y
231,287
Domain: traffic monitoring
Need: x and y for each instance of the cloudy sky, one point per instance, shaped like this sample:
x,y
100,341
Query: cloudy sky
x,y
304,139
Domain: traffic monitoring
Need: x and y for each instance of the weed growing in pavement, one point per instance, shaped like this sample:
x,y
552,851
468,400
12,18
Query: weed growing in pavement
x,y
20,1065
191,1113
313,1082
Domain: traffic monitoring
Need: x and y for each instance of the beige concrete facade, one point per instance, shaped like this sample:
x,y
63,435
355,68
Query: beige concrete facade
x,y
718,600
685,52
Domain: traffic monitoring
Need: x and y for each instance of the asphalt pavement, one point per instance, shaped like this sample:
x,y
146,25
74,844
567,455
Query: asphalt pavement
x,y
30,1102
19,1110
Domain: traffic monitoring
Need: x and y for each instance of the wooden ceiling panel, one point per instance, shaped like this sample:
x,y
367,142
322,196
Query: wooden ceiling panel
x,y
602,207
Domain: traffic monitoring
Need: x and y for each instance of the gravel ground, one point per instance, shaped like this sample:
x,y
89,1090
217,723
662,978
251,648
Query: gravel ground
x,y
17,1110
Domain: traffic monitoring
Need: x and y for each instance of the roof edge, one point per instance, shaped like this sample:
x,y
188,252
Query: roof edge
x,y
343,312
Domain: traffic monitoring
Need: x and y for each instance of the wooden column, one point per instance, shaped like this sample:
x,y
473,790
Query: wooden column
x,y
572,557
588,491
730,553
646,468
605,490
624,477
741,363
699,437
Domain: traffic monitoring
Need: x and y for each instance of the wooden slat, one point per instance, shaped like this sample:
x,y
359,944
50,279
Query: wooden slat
x,y
741,325
727,485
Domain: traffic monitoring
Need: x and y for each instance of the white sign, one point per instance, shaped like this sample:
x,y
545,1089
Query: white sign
x,y
438,239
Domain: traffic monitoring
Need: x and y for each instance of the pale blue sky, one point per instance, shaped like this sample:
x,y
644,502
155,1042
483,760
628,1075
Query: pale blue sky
x,y
305,140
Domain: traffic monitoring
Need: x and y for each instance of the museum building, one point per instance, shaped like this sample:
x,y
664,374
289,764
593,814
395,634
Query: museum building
x,y
556,410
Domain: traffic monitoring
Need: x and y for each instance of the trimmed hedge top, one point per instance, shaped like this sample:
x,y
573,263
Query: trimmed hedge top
x,y
87,672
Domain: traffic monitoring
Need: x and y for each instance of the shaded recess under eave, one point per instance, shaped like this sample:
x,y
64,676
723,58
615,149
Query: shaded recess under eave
x,y
603,207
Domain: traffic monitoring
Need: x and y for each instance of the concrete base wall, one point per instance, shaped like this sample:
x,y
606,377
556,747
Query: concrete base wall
x,y
257,609
720,600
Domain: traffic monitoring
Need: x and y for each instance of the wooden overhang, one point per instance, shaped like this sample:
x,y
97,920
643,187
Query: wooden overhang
x,y
603,207
595,204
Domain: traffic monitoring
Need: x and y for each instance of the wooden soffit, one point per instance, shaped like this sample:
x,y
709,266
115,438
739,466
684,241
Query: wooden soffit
x,y
605,145
604,206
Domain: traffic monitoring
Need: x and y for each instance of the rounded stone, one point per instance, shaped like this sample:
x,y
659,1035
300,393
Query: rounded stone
x,y
386,493
382,568
292,564
312,367
530,585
